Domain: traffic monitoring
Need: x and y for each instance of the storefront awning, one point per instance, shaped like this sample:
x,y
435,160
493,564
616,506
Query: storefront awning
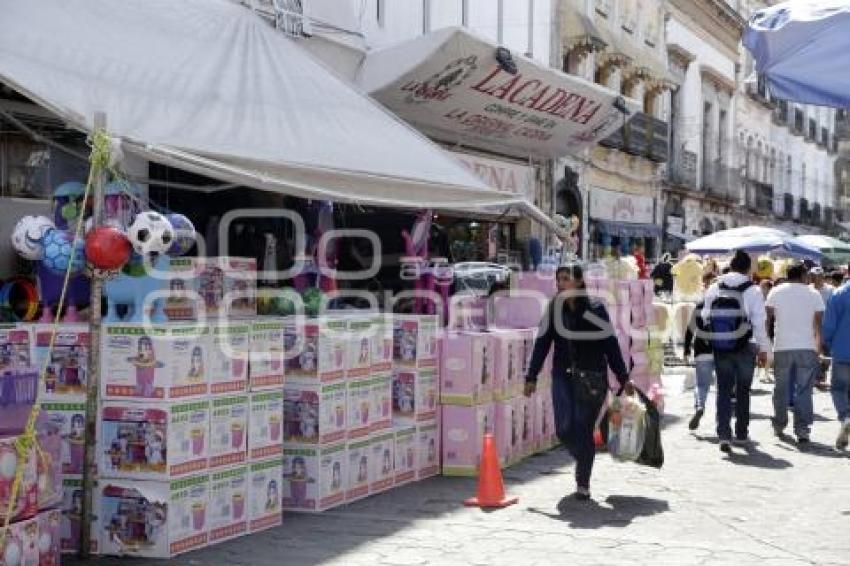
x,y
208,86
627,229
450,85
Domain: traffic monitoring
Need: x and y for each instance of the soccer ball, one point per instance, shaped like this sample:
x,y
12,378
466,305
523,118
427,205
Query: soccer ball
x,y
150,233
184,235
28,234
62,252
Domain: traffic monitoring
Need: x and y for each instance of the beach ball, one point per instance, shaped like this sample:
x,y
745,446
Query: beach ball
x,y
184,234
28,234
61,251
107,248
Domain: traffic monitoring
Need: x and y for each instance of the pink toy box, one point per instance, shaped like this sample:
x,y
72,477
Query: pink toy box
x,y
314,477
265,425
66,373
20,546
508,350
466,370
382,402
526,424
414,395
228,513
361,335
428,448
149,441
228,357
463,435
519,310
542,282
359,469
415,340
70,418
316,349
315,413
264,494
228,430
504,418
382,461
405,454
162,362
266,367
360,407
382,343
152,519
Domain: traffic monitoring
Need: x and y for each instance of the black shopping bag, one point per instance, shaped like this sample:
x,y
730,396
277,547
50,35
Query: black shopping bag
x,y
652,453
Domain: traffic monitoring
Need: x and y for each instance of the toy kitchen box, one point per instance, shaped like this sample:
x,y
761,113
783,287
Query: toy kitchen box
x,y
212,287
265,425
153,441
414,395
314,477
415,340
228,430
264,494
228,357
316,413
267,354
428,446
143,362
152,519
405,454
228,512
66,370
316,349
15,348
71,521
382,343
70,418
361,336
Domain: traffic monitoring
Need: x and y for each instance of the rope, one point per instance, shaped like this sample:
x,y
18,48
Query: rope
x,y
27,442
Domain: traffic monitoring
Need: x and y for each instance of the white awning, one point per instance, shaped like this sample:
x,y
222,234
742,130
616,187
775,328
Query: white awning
x,y
450,85
208,86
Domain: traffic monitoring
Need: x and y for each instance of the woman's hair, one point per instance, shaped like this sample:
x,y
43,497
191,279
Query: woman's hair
x,y
573,271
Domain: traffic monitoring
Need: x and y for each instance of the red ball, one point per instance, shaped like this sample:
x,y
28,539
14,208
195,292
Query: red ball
x,y
107,248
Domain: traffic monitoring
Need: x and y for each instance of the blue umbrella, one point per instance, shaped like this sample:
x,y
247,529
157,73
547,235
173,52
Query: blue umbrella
x,y
754,239
802,48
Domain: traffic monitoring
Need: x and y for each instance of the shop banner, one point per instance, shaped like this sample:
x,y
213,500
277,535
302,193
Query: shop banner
x,y
501,175
620,207
450,85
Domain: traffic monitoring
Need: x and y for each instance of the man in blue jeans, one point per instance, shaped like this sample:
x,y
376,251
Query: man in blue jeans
x,y
697,342
836,337
735,368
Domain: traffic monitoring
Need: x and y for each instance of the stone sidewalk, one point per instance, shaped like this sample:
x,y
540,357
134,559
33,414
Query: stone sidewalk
x,y
772,504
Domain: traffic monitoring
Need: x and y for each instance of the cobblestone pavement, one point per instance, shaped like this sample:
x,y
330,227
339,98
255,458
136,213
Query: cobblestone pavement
x,y
772,504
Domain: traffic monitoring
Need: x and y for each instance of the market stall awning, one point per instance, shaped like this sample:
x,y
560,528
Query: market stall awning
x,y
753,239
208,86
450,85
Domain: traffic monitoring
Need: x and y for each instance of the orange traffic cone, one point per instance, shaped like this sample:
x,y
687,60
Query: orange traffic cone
x,y
491,490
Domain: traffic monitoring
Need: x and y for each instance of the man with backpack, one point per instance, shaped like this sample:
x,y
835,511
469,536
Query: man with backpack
x,y
735,315
794,314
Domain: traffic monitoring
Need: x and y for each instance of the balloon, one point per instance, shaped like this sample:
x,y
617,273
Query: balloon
x,y
184,234
28,234
61,250
107,248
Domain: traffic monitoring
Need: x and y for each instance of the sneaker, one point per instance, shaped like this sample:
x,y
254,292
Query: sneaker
x,y
741,441
582,494
725,446
694,424
843,435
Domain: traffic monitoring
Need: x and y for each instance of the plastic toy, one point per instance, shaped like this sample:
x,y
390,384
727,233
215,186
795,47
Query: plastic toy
x,y
107,248
150,233
134,290
184,234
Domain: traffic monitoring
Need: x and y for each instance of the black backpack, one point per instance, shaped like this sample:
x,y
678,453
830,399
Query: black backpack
x,y
730,328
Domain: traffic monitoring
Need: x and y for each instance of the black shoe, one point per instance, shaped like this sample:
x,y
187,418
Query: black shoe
x,y
582,494
725,446
694,424
803,440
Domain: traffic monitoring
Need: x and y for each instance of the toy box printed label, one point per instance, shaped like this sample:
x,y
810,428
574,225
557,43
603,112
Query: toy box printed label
x,y
428,441
264,494
360,407
49,527
361,334
405,455
182,301
228,430
228,358
70,529
228,503
414,395
168,362
139,441
358,469
315,413
382,343
382,402
70,419
15,349
228,286
332,468
265,422
415,340
317,349
66,372
267,354
301,478
21,544
154,519
382,462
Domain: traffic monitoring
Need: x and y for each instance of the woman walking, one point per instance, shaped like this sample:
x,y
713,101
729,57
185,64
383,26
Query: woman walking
x,y
585,347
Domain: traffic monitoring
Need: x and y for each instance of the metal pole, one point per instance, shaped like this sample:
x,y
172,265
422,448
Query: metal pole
x,y
93,382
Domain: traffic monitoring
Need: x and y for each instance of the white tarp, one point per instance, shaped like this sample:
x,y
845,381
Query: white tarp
x,y
449,85
208,86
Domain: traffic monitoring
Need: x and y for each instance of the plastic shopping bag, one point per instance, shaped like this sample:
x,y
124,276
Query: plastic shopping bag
x,y
626,428
652,453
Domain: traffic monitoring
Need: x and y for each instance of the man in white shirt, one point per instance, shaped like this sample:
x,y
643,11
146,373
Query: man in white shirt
x,y
795,313
735,364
